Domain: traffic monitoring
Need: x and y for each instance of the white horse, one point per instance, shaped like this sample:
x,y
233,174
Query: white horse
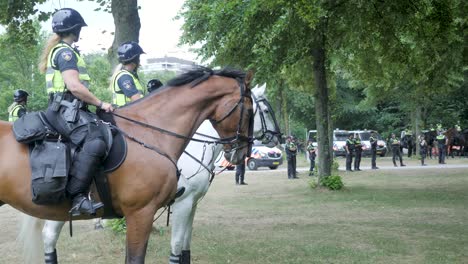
x,y
196,164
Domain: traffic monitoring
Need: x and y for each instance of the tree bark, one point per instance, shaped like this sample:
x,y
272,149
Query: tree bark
x,y
127,25
322,112
284,110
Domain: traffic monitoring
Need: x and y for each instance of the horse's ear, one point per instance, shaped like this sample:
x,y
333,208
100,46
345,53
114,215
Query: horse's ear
x,y
249,78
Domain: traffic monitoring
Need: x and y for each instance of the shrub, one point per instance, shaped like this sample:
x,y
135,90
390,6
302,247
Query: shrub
x,y
119,226
332,182
313,184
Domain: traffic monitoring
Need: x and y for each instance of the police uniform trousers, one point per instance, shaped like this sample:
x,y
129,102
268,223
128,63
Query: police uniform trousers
x,y
423,153
373,158
291,166
396,153
240,172
442,148
357,159
349,160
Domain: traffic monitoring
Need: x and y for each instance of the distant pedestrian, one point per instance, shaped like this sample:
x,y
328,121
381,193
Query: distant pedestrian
x,y
291,151
395,142
373,143
442,143
422,148
240,173
358,151
349,147
312,155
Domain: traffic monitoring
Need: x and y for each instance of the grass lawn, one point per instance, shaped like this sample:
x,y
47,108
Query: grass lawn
x,y
385,216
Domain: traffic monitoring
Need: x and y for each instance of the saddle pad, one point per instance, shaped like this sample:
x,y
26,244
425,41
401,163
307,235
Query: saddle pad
x,y
117,153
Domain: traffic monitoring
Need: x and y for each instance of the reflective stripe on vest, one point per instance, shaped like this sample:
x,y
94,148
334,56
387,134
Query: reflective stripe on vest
x,y
118,97
54,80
13,116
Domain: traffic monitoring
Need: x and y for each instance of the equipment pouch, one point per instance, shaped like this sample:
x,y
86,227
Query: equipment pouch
x,y
70,114
56,100
49,167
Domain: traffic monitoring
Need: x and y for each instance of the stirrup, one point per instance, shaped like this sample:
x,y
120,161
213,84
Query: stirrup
x,y
77,210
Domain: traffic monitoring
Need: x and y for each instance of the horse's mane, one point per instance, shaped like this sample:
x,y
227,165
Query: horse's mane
x,y
200,74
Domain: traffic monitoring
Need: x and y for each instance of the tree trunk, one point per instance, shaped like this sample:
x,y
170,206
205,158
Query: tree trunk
x,y
322,112
127,25
284,110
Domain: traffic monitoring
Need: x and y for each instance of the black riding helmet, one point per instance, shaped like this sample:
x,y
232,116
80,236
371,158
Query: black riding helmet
x,y
153,85
67,20
129,51
20,96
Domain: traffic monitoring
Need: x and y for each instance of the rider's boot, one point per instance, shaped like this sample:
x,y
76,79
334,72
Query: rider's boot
x,y
82,171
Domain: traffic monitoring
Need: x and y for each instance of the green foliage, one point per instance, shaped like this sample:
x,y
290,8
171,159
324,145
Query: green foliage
x,y
335,165
19,70
312,183
118,225
332,182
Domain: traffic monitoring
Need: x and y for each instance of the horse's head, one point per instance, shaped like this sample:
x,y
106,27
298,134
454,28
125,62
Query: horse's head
x,y
266,128
233,120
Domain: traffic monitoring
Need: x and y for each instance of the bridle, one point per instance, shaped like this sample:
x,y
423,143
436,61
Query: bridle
x,y
238,138
267,134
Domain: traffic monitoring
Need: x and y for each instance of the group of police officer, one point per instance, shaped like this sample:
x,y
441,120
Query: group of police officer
x,y
67,82
353,148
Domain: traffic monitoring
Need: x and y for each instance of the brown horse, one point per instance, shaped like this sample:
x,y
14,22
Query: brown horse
x,y
147,181
455,139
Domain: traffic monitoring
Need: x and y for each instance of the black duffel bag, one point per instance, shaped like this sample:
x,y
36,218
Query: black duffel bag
x,y
31,127
49,167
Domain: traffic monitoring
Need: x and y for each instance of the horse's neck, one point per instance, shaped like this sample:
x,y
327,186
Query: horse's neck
x,y
180,110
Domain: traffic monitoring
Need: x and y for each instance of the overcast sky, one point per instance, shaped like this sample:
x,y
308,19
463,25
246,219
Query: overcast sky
x,y
159,33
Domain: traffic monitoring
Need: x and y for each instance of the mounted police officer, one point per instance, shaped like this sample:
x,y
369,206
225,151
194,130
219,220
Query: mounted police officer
x,y
153,85
291,151
67,83
18,108
373,143
358,151
396,150
125,84
349,147
442,143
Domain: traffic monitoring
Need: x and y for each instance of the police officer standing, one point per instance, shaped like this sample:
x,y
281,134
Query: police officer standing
x,y
349,147
125,84
312,155
396,150
291,151
358,150
18,108
67,82
442,143
422,148
373,143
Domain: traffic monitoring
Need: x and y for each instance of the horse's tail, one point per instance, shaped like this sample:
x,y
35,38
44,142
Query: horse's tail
x,y
30,238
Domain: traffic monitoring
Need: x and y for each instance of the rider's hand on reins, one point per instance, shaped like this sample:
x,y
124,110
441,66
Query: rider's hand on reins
x,y
106,107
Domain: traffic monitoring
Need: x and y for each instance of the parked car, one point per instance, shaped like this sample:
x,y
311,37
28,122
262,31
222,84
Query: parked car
x,y
366,147
339,142
261,156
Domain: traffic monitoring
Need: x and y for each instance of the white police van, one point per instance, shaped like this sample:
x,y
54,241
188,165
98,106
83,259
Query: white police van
x,y
261,156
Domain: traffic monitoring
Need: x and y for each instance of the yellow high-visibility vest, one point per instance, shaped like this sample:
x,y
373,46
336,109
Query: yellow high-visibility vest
x,y
118,97
54,80
13,115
